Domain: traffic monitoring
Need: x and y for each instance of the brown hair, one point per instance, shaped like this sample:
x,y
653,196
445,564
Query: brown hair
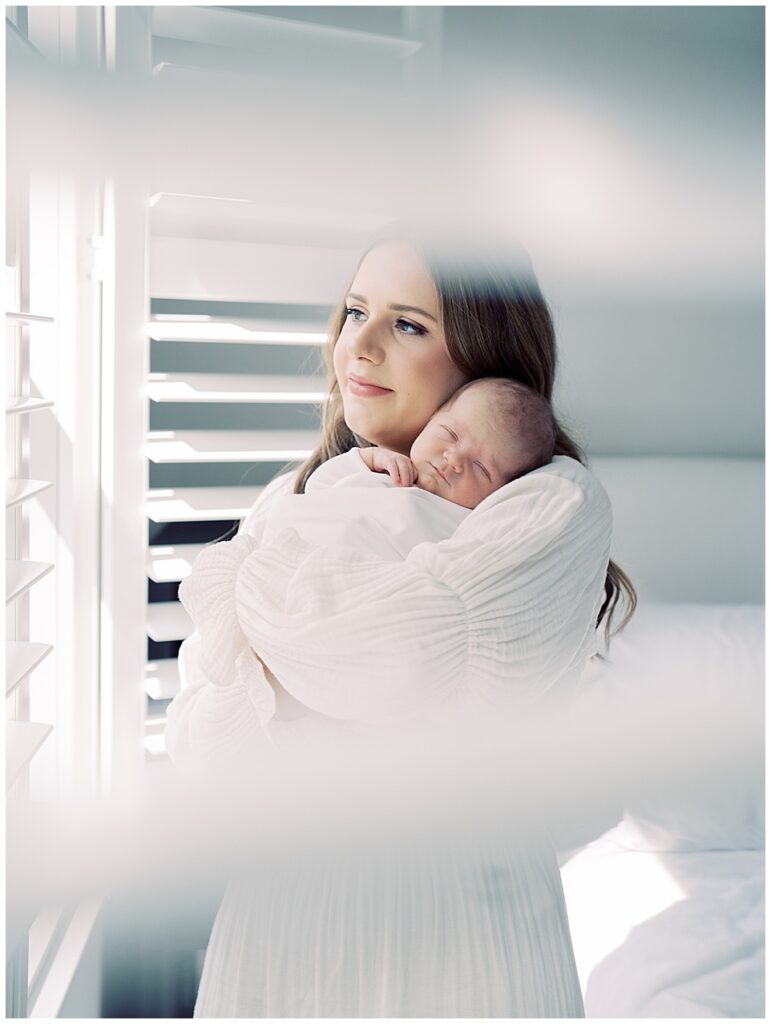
x,y
526,414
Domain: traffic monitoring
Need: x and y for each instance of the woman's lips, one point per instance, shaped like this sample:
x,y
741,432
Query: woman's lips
x,y
357,386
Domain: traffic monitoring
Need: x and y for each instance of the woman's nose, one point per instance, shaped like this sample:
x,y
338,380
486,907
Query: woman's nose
x,y
366,343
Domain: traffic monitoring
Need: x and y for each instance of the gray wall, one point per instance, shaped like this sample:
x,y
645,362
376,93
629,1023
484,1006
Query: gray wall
x,y
626,147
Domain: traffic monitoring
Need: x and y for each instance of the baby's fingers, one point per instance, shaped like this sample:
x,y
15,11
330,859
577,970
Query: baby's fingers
x,y
406,472
394,469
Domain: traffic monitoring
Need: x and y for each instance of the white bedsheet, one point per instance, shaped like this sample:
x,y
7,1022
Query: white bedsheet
x,y
663,934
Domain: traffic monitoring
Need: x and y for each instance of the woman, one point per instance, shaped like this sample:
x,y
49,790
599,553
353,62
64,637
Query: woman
x,y
496,618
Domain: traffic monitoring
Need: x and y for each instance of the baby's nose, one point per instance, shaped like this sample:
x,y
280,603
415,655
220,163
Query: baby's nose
x,y
453,460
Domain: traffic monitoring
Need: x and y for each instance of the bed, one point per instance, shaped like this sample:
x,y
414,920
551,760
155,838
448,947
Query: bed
x,y
674,934
665,888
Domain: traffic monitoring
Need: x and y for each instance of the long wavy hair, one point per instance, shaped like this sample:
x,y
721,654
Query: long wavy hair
x,y
496,323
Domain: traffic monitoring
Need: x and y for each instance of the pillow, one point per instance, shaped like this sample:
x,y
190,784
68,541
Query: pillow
x,y
692,677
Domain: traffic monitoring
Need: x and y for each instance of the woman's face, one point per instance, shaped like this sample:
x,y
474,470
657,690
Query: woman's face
x,y
391,360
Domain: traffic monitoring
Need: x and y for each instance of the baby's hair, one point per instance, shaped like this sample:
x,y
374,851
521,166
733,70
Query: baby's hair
x,y
526,413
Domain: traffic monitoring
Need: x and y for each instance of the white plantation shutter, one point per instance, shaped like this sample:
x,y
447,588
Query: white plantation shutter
x,y
26,649
52,520
24,653
181,372
203,480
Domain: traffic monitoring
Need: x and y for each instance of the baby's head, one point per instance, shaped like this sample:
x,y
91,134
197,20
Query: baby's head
x,y
488,433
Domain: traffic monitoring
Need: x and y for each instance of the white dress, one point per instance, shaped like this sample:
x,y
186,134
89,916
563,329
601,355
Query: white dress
x,y
500,615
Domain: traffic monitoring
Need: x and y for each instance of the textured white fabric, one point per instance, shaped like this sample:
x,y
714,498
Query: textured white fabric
x,y
497,616
347,505
441,933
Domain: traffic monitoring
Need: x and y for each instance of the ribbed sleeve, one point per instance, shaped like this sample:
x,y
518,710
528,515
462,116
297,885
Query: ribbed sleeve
x,y
209,599
224,697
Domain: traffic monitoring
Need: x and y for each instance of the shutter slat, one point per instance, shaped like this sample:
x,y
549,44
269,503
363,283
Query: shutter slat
x,y
233,331
162,679
28,318
21,658
262,35
18,491
230,445
21,404
20,576
203,387
155,737
23,740
176,215
172,562
168,620
155,745
200,504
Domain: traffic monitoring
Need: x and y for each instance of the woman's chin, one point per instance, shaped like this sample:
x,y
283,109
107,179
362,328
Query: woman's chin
x,y
374,433
363,426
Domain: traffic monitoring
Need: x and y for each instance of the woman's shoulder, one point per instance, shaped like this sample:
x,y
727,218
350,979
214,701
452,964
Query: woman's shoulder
x,y
563,472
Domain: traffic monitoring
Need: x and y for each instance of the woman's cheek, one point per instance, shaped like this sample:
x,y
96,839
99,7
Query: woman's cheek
x,y
441,377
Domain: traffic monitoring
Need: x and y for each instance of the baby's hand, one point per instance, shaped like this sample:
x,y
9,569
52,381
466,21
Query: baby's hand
x,y
382,460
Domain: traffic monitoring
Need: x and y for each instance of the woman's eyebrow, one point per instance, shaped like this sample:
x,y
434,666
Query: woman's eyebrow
x,y
396,306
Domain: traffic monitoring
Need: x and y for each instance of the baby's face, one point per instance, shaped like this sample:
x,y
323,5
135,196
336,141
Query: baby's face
x,y
461,455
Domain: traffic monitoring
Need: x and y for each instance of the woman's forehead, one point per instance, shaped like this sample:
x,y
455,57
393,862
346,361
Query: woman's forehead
x,y
395,272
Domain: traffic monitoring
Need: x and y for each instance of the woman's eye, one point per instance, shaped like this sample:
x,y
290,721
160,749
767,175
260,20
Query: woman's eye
x,y
403,326
413,328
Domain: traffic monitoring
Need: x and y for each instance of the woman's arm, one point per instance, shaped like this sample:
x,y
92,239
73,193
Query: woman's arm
x,y
498,613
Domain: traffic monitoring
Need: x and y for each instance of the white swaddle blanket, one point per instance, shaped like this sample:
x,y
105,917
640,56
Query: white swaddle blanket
x,y
346,504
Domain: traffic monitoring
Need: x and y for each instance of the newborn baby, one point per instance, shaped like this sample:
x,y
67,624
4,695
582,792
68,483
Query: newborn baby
x,y
486,434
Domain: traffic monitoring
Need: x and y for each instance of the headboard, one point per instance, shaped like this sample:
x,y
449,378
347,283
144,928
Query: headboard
x,y
688,529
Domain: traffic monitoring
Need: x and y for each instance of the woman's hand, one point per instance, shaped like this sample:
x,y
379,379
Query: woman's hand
x,y
402,470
